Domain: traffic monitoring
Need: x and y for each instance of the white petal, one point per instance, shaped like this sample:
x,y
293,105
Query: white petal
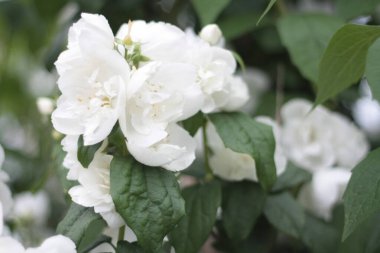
x,y
8,244
325,191
55,244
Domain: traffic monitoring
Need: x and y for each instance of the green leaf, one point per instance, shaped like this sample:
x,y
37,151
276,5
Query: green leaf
x,y
285,214
319,236
126,247
243,134
116,142
243,203
293,176
82,225
354,8
372,69
193,123
306,37
202,202
362,196
234,26
344,60
209,10
86,153
270,5
148,199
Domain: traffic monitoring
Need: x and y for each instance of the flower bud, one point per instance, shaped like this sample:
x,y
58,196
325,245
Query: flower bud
x,y
211,34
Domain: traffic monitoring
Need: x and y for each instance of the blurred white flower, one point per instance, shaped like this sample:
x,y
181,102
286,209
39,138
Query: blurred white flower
x,y
2,156
211,34
258,82
235,166
94,189
6,201
31,207
317,139
54,244
45,105
8,244
92,80
366,112
324,191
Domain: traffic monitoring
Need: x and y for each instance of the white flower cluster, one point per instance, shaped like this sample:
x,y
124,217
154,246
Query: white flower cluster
x,y
326,144
320,141
320,138
147,78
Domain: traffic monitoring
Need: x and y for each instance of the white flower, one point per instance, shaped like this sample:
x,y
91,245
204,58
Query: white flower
x,y
156,100
54,244
31,207
159,41
2,156
94,189
6,201
366,112
235,166
175,152
317,139
324,191
70,146
45,105
234,96
215,70
8,244
92,80
257,82
211,34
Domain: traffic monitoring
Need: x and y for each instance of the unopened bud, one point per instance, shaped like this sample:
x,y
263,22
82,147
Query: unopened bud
x,y
211,34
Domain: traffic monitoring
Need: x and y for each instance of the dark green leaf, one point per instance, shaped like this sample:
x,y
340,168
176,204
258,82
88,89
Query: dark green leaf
x,y
126,247
86,153
243,203
372,69
202,202
82,225
243,134
209,10
362,196
354,8
234,26
148,199
194,123
116,142
270,5
306,37
285,214
319,236
293,176
343,61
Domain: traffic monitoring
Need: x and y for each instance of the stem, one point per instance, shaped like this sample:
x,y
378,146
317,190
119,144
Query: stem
x,y
279,91
209,175
121,233
281,7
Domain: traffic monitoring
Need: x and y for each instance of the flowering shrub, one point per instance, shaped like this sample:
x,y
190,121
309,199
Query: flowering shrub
x,y
164,141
